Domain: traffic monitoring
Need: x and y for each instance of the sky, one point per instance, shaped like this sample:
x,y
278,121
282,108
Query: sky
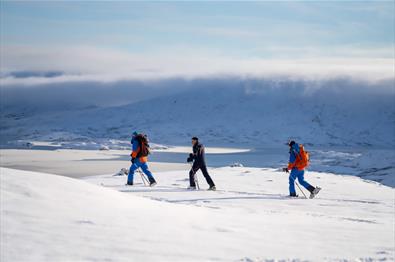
x,y
113,41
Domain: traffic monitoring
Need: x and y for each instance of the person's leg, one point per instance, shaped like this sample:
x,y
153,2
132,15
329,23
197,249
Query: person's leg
x,y
144,167
133,168
207,176
303,182
192,173
292,177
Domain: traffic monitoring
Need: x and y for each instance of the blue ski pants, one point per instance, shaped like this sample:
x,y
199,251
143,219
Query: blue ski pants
x,y
299,174
143,167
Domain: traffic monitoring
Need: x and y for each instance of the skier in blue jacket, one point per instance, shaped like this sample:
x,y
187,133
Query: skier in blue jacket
x,y
140,158
298,161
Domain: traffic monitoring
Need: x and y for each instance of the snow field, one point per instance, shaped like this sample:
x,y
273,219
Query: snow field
x,y
53,218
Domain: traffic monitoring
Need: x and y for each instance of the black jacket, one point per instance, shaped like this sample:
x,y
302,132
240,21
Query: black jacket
x,y
198,154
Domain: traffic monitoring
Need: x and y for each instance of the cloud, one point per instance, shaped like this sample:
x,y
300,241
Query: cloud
x,y
85,63
81,94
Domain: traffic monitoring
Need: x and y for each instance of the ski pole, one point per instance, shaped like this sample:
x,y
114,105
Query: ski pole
x,y
300,189
143,177
195,178
196,182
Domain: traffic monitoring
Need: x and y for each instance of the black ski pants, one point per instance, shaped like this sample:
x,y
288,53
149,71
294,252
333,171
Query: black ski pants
x,y
193,171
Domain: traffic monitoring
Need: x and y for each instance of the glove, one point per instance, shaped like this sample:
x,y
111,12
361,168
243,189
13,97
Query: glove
x,y
285,169
190,158
133,160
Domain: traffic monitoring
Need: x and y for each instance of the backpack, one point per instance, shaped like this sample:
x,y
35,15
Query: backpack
x,y
303,158
144,146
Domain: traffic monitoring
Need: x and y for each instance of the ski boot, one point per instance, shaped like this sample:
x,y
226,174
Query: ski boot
x,y
212,188
314,191
152,182
191,188
293,195
129,184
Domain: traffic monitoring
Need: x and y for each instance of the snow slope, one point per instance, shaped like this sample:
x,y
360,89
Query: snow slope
x,y
52,218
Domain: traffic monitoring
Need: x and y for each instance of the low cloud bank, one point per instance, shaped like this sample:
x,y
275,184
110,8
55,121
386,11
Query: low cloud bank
x,y
82,94
33,66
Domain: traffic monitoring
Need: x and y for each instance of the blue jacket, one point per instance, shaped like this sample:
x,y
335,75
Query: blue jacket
x,y
135,143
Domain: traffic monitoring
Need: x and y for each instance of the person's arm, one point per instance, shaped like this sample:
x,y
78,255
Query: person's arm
x,y
292,161
136,149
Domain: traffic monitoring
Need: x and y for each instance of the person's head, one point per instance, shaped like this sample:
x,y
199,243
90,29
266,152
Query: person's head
x,y
195,140
291,143
134,134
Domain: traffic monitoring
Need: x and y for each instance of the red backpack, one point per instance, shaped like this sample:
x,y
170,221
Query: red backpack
x,y
303,158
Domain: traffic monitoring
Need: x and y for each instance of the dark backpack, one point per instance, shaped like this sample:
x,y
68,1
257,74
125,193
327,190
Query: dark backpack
x,y
144,146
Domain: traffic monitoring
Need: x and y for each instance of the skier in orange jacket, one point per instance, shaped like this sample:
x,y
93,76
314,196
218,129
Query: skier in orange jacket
x,y
298,161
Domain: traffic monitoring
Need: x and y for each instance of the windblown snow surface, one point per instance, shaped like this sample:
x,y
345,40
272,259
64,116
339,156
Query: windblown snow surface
x,y
52,218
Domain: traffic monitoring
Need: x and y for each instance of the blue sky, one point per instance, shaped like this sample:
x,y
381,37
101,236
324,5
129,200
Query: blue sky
x,y
241,29
234,30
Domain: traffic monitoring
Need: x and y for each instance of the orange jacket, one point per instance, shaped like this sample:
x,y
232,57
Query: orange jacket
x,y
296,164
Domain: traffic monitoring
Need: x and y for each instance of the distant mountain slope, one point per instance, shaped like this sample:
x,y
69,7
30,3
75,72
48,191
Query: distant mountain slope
x,y
237,115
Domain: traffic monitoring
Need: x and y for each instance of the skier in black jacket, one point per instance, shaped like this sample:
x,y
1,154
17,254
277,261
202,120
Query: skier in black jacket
x,y
197,157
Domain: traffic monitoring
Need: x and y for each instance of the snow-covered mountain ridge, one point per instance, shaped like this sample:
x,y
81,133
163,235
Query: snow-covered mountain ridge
x,y
226,113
